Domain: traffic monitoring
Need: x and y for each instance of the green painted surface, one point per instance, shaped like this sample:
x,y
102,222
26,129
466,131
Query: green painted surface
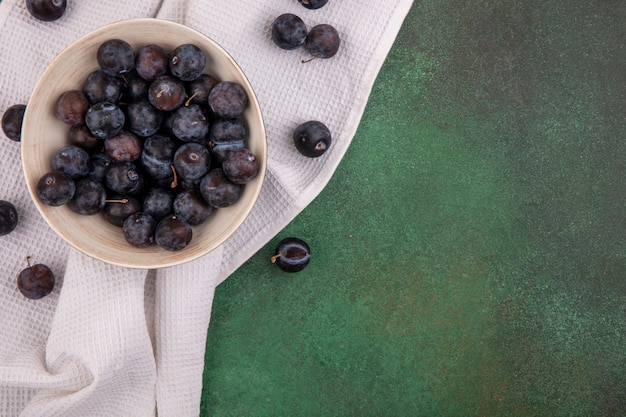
x,y
469,255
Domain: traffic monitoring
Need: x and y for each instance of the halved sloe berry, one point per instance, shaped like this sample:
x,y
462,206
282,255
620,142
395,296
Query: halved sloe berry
x,y
292,254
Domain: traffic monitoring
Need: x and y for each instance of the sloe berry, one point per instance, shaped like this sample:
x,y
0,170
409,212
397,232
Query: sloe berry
x,y
322,41
138,229
187,62
173,233
116,57
12,121
312,138
104,119
8,217
36,281
55,188
289,31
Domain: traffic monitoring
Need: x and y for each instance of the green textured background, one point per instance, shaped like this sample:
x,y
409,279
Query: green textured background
x,y
469,255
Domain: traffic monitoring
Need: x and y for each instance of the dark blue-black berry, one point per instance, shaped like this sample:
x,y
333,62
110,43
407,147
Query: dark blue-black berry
x,y
166,93
187,62
104,119
116,57
198,90
89,198
124,178
102,87
55,188
218,190
157,156
158,202
190,205
12,121
143,118
72,160
46,10
118,208
312,138
189,123
313,4
228,100
192,161
138,229
240,165
36,281
289,31
173,233
292,254
8,217
322,41
80,136
151,62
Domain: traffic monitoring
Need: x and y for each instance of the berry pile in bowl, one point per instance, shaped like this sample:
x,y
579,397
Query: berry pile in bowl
x,y
143,144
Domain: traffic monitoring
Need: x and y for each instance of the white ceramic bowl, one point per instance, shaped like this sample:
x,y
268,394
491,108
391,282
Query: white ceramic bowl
x,y
43,134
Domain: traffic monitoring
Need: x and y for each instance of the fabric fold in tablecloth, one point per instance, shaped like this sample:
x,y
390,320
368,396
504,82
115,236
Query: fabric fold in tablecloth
x,y
125,342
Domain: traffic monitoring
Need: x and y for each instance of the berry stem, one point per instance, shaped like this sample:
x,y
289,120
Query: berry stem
x,y
188,102
275,257
174,183
121,201
161,91
28,260
304,61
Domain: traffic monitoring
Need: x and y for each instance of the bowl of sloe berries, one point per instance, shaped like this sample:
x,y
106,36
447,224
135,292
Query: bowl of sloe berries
x,y
143,144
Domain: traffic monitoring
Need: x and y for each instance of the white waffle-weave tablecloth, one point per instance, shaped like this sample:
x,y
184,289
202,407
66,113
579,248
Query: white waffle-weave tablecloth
x,y
111,341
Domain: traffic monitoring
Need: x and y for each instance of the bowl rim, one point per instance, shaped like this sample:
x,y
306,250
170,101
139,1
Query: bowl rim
x,y
261,134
